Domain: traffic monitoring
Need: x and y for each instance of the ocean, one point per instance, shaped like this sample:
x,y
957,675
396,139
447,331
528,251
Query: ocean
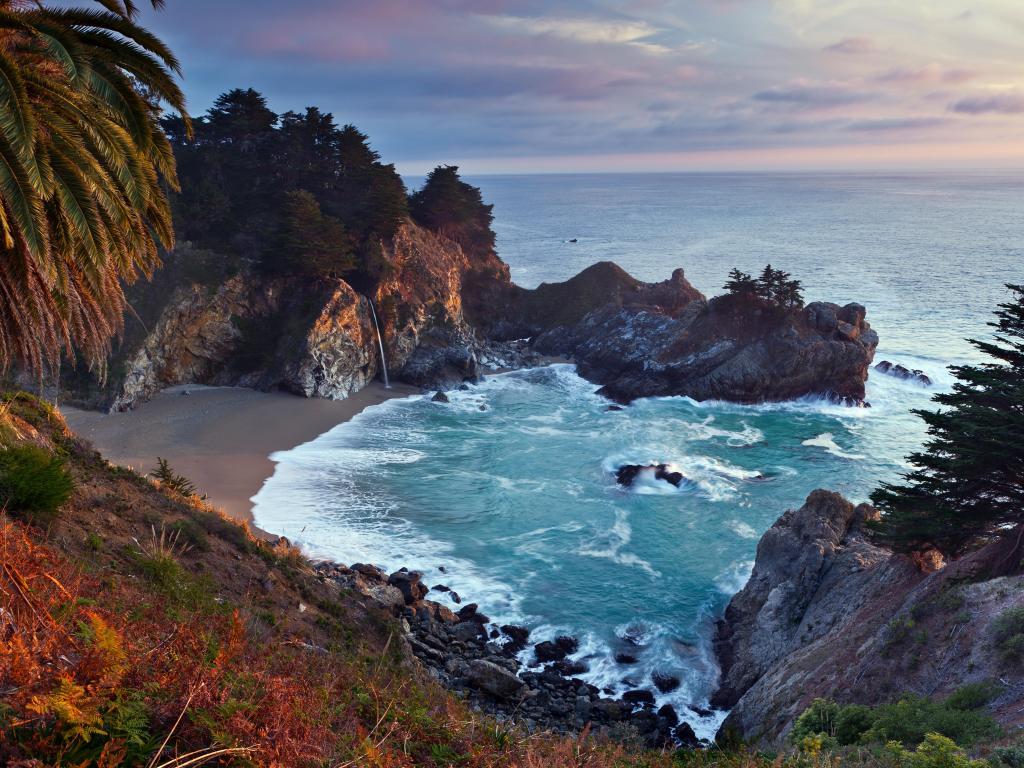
x,y
510,488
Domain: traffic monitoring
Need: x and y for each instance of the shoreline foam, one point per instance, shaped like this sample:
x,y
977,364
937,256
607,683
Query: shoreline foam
x,y
221,438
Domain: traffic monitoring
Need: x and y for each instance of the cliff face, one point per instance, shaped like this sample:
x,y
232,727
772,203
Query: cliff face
x,y
829,614
723,349
442,312
316,339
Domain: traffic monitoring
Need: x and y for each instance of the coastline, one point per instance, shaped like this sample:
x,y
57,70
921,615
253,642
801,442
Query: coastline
x,y
220,438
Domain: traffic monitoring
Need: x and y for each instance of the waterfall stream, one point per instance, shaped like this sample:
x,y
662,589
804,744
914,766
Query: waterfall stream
x,y
380,343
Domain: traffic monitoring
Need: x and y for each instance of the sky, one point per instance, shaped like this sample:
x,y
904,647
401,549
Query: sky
x,y
507,86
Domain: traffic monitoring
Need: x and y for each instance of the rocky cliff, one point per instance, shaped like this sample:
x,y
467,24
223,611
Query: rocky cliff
x,y
317,338
444,315
827,613
723,349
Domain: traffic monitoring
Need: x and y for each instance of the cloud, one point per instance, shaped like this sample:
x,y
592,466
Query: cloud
x,y
896,124
1000,104
810,95
851,45
930,73
600,31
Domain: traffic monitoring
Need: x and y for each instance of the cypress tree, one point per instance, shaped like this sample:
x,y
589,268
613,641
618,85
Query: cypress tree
x,y
741,284
967,487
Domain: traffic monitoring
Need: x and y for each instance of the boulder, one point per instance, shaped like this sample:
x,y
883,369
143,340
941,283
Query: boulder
x,y
898,371
494,680
626,475
639,698
683,734
518,637
664,682
409,584
440,397
557,649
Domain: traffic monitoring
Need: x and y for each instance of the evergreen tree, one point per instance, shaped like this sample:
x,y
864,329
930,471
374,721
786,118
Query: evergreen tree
x,y
311,242
741,284
767,282
968,485
450,206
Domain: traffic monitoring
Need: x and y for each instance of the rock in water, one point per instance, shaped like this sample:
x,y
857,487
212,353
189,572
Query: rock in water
x,y
728,348
898,371
627,475
440,397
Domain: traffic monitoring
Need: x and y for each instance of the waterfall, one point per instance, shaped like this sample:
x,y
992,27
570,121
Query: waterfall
x,y
380,343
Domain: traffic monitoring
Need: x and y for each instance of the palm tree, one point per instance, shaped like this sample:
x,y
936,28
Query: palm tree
x,y
84,174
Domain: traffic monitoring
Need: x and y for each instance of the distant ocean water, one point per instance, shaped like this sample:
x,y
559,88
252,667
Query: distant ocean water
x,y
517,500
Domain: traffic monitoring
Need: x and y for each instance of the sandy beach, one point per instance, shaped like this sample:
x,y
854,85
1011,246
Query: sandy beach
x,y
221,438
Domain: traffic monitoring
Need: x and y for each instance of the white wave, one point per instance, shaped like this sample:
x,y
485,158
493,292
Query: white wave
x,y
734,578
741,529
608,545
825,440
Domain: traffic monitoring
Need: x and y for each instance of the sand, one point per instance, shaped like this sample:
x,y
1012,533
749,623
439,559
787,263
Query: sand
x,y
220,438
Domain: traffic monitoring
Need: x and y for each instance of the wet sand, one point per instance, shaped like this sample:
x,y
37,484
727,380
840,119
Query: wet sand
x,y
219,437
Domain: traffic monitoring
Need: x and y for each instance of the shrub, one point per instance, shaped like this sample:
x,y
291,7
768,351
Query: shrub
x,y
1008,634
907,721
33,483
935,751
172,480
911,718
1011,756
973,696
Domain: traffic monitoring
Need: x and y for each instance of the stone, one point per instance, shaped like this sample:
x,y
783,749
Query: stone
x,y
625,658
517,637
683,734
898,371
638,698
626,475
409,584
440,397
668,713
665,683
555,650
495,680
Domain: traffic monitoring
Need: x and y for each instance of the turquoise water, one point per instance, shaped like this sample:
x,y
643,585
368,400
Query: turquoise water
x,y
510,488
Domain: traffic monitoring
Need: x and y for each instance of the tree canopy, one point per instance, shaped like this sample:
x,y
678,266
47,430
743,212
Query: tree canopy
x,y
241,169
968,483
773,286
448,205
83,170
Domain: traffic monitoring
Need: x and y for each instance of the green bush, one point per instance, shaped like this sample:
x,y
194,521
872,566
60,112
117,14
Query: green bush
x,y
1008,634
1011,756
973,696
906,721
33,483
935,751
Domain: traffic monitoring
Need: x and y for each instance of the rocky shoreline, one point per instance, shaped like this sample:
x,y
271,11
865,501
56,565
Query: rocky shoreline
x,y
482,664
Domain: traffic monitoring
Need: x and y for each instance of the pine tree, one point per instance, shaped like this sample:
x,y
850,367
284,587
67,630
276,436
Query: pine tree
x,y
741,284
968,485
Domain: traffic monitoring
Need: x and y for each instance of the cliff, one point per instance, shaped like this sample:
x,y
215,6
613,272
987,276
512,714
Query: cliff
x,y
829,614
445,315
315,338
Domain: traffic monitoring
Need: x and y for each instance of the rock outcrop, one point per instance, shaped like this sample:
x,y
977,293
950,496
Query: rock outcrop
x,y
723,349
445,318
828,613
898,371
317,338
